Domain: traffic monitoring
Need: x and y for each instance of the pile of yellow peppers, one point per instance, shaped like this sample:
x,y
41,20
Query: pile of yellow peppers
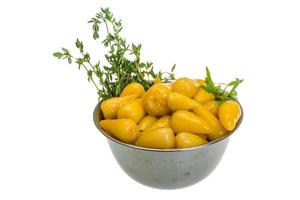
x,y
176,115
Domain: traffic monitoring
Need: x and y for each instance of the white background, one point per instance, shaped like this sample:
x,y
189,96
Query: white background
x,y
49,147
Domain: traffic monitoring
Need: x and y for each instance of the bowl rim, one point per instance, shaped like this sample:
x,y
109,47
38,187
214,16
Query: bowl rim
x,y
96,116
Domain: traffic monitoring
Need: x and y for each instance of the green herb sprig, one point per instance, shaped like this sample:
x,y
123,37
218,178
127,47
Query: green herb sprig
x,y
221,95
123,62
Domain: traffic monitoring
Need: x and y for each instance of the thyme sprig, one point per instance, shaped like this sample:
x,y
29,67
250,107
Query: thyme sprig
x,y
123,60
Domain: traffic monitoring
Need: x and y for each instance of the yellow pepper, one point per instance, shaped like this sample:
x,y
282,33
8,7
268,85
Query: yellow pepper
x,y
157,80
133,88
204,113
213,107
229,114
133,110
202,96
205,137
200,82
110,107
177,101
155,100
125,130
185,86
186,140
185,121
161,138
146,122
163,122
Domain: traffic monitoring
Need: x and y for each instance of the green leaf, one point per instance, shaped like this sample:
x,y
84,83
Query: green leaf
x,y
236,81
173,68
69,60
57,55
79,61
86,57
65,50
95,35
79,45
89,74
235,85
95,27
208,78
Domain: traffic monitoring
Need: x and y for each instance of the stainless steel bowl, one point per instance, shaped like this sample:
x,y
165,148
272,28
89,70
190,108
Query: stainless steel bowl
x,y
166,168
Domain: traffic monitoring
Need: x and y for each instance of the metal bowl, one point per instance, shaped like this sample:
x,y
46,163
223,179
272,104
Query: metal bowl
x,y
166,168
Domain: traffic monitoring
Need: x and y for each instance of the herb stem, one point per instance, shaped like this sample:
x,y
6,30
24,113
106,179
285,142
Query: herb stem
x,y
91,77
119,69
107,31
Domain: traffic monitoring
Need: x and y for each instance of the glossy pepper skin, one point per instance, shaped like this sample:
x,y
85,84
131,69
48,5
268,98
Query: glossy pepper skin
x,y
213,107
177,101
126,130
185,86
185,121
146,122
161,138
202,96
155,100
110,107
204,113
133,110
133,88
163,122
229,114
186,140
